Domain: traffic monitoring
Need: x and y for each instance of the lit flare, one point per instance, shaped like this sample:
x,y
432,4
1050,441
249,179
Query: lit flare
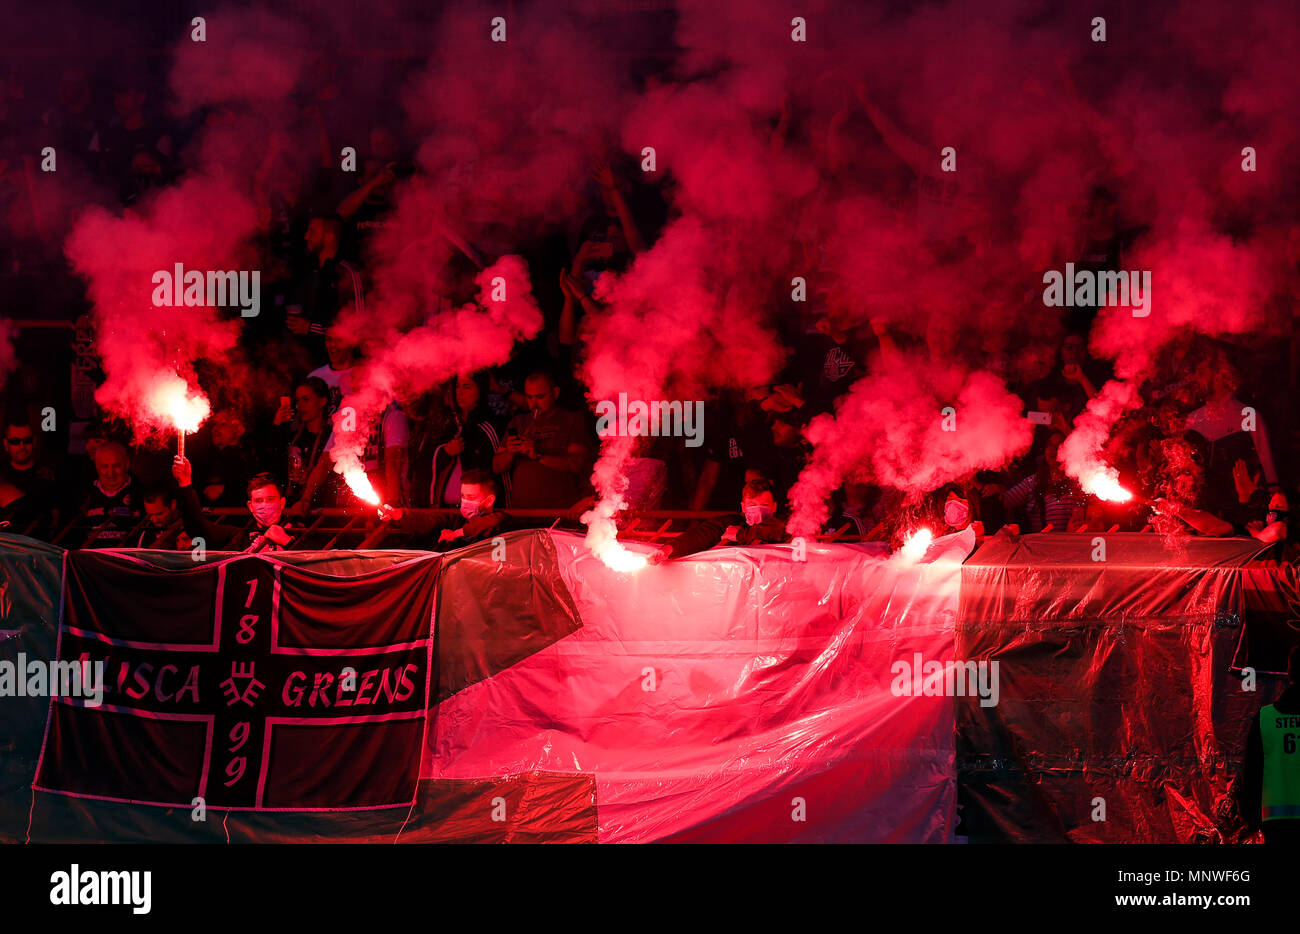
x,y
172,400
602,538
916,545
1103,483
360,485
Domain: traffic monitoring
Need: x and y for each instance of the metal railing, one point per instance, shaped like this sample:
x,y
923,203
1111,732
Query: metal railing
x,y
352,528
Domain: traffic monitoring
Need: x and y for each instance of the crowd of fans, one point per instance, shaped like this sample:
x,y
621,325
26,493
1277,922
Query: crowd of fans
x,y
521,436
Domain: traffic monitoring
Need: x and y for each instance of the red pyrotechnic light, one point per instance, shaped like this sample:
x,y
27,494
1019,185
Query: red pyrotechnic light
x,y
917,544
360,485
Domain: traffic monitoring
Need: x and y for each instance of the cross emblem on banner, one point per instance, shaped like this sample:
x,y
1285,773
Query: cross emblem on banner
x,y
258,686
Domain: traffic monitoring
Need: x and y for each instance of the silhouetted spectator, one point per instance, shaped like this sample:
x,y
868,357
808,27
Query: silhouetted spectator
x,y
112,505
163,513
33,480
1047,496
734,437
331,284
221,460
756,524
546,451
1221,423
826,363
478,519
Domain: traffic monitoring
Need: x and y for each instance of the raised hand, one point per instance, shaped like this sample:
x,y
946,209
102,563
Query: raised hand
x,y
182,470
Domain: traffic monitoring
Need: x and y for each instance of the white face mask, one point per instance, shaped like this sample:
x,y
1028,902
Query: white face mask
x,y
266,513
754,515
469,508
956,513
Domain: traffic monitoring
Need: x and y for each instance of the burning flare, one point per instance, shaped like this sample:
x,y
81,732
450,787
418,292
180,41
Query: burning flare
x,y
360,484
610,479
1081,453
602,537
917,544
171,400
1103,483
351,430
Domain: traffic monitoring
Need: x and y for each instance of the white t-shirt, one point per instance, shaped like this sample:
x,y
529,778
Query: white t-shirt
x,y
393,431
339,381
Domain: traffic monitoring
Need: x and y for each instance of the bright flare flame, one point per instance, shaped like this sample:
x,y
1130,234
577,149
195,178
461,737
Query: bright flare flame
x,y
917,544
618,558
360,485
1103,483
171,399
602,538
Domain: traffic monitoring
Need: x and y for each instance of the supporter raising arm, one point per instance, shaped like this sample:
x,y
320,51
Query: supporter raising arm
x,y
614,199
265,502
479,518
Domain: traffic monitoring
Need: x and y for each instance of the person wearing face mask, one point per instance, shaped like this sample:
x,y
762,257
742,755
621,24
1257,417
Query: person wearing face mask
x,y
1276,524
265,502
757,524
958,511
479,518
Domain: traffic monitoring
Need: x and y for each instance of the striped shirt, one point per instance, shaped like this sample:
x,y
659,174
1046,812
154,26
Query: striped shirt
x,y
1061,504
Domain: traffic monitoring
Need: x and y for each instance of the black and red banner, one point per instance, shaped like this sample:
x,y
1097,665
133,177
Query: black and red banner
x,y
250,683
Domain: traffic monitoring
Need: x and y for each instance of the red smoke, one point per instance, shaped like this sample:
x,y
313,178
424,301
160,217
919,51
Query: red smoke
x,y
201,223
816,160
461,340
892,429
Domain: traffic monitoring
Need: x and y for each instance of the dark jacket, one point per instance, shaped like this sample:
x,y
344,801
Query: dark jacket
x,y
111,517
427,526
703,535
218,536
163,539
481,441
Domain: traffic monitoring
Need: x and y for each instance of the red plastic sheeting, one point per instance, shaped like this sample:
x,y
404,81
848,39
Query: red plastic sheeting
x,y
1116,696
737,695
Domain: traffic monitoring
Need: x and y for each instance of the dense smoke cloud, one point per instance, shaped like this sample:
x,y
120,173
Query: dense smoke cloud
x,y
779,159
896,416
403,364
1041,120
202,224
